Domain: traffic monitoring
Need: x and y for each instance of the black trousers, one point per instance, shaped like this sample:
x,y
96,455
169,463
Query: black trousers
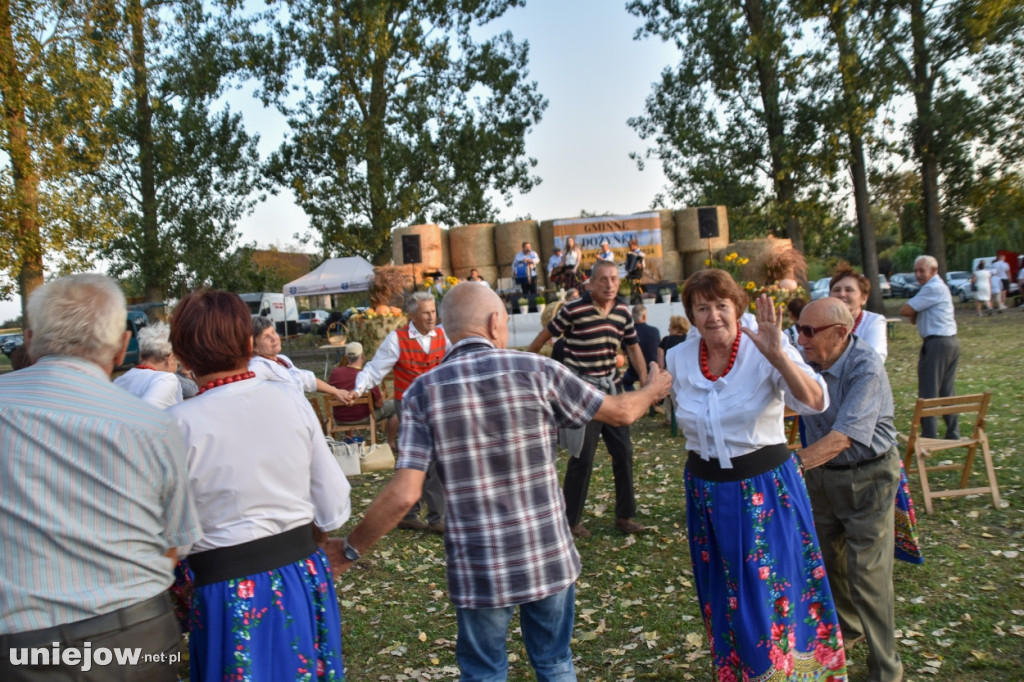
x,y
579,469
936,378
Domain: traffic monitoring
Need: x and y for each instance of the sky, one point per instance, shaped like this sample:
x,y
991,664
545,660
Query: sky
x,y
594,76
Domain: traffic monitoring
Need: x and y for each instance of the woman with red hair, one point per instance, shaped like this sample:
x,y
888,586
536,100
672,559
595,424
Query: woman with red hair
x,y
267,489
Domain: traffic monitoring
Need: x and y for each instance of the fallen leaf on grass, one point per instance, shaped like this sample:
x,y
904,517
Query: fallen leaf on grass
x,y
694,640
423,637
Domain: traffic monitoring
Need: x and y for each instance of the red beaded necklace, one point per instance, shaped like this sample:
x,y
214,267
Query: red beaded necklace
x,y
145,367
249,374
704,359
857,323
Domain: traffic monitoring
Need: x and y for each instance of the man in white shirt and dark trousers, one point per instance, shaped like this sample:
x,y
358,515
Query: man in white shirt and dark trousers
x,y
931,309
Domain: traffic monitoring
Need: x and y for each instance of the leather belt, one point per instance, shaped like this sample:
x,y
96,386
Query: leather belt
x,y
90,628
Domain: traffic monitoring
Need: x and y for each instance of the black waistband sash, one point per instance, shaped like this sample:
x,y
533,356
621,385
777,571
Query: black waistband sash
x,y
751,464
265,554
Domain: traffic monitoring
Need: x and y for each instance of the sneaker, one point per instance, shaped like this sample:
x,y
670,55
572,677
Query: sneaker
x,y
436,528
629,526
578,531
413,524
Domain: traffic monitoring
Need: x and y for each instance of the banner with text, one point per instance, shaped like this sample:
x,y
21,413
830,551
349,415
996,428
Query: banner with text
x,y
589,233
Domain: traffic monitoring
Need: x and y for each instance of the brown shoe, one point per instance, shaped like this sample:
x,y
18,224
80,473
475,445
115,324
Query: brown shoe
x,y
413,524
579,531
436,528
629,526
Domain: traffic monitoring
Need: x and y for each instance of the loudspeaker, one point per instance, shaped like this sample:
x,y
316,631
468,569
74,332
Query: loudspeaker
x,y
411,248
707,222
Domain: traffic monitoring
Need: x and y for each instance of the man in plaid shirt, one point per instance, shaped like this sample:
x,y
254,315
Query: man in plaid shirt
x,y
489,418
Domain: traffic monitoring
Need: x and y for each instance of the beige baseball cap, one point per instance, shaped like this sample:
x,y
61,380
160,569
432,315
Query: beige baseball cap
x,y
353,350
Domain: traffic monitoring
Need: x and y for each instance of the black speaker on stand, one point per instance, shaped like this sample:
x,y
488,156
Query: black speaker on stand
x,y
707,225
411,249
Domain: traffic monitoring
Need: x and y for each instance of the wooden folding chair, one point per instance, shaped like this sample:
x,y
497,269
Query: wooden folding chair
x,y
919,448
336,427
318,410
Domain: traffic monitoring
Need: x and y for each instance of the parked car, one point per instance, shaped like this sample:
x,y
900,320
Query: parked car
x,y
884,286
8,342
963,291
904,285
820,288
310,320
956,278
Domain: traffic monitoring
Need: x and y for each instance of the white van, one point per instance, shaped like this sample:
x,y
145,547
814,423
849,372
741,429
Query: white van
x,y
276,307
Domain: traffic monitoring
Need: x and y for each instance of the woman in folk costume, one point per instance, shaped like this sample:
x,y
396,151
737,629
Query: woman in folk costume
x,y
268,363
757,566
267,490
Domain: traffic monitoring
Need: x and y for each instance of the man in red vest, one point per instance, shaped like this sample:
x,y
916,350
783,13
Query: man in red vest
x,y
410,352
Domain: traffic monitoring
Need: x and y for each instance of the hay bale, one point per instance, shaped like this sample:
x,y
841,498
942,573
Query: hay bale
x,y
671,267
692,262
688,231
431,246
446,261
757,251
668,230
471,246
488,272
509,238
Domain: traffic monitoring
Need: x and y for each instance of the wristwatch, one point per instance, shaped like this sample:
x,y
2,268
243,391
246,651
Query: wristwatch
x,y
350,552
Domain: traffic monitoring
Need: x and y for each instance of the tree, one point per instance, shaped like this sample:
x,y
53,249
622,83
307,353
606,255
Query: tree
x,y
936,51
850,87
181,173
56,65
403,116
724,120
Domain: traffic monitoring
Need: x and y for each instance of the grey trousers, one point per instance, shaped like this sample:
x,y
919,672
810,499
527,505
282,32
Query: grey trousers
x,y
854,514
433,490
936,378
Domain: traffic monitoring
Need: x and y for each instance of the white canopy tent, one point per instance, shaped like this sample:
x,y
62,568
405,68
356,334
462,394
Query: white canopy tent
x,y
334,276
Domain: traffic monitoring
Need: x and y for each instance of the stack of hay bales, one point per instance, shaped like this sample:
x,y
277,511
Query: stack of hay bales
x,y
472,246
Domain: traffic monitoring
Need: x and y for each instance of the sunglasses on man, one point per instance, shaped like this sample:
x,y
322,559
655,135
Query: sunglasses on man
x,y
808,331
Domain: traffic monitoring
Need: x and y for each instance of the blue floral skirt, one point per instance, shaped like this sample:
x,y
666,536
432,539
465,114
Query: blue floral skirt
x,y
282,624
761,580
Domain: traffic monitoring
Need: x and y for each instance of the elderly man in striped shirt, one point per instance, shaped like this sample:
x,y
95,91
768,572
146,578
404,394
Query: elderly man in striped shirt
x,y
95,501
487,417
594,327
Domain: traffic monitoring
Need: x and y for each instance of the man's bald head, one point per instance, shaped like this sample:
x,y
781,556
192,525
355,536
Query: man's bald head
x,y
473,309
827,310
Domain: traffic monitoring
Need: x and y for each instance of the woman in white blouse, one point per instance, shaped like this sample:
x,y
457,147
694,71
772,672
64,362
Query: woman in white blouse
x,y
154,379
267,490
268,363
853,289
757,566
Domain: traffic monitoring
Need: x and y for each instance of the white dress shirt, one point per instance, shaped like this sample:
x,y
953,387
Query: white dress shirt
x,y
740,412
872,330
270,370
258,463
161,389
386,356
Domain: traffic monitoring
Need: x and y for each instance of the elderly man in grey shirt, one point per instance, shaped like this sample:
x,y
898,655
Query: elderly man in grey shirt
x,y
852,471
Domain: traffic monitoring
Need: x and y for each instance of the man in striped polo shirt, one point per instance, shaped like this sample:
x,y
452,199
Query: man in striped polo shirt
x,y
95,500
594,327
409,352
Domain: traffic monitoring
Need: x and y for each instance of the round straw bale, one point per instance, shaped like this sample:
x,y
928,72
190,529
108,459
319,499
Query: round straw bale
x,y
668,230
471,246
509,238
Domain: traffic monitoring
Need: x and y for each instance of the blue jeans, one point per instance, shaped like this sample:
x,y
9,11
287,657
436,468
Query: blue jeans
x,y
547,630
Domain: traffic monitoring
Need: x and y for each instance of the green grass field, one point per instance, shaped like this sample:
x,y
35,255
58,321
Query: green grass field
x,y
960,615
